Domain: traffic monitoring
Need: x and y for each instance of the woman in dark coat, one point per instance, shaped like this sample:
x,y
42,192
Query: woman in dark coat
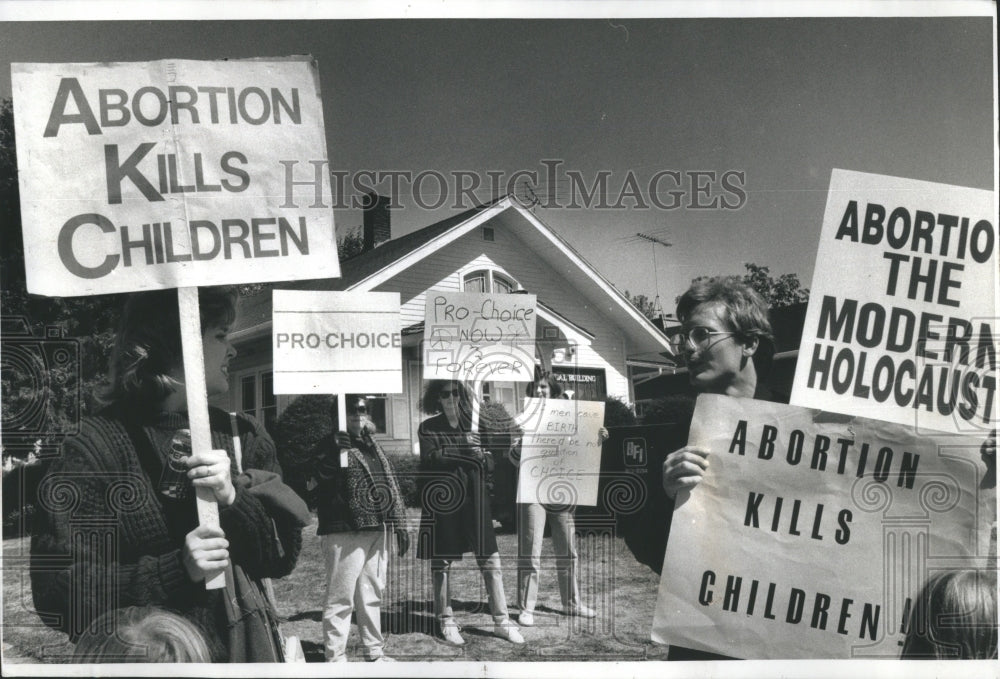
x,y
456,515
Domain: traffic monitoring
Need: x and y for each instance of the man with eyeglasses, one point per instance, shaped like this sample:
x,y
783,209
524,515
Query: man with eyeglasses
x,y
359,503
726,344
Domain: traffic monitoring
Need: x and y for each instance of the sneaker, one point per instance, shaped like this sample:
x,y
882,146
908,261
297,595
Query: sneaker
x,y
450,635
508,630
581,611
381,658
526,619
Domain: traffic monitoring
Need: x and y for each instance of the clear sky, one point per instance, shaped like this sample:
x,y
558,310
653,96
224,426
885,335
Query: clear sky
x,y
781,100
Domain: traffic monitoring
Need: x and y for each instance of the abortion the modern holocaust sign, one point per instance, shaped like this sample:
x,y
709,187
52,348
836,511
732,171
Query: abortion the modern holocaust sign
x,y
901,324
168,174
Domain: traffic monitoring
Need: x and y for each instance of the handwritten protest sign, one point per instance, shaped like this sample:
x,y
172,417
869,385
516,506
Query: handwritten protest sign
x,y
337,342
168,174
901,323
479,337
810,532
561,452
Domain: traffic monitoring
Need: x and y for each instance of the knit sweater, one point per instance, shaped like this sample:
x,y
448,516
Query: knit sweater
x,y
362,496
103,539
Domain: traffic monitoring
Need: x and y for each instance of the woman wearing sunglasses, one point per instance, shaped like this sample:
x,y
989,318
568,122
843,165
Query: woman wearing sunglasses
x,y
360,502
456,515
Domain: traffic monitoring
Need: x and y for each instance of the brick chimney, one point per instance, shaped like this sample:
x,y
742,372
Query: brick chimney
x,y
376,229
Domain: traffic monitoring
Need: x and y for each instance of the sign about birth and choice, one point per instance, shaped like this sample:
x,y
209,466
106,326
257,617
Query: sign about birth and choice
x,y
336,342
560,452
479,337
811,534
901,322
172,173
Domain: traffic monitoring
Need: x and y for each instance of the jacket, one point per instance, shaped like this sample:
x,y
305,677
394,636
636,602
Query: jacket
x,y
356,497
105,540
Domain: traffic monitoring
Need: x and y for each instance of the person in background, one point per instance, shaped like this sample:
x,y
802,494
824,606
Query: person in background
x,y
456,516
531,518
359,503
131,461
954,617
140,634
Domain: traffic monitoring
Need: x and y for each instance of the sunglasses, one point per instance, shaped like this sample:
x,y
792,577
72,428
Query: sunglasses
x,y
449,393
357,409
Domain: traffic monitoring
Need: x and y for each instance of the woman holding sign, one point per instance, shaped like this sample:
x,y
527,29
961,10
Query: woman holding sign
x,y
456,515
531,518
132,464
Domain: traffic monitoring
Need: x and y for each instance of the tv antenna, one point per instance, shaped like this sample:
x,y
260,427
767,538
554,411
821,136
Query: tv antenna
x,y
654,240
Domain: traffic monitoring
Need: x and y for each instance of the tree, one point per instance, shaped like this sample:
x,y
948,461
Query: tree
x,y
784,290
351,244
645,305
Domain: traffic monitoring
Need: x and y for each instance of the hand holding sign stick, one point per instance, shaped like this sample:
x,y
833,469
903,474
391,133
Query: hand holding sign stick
x,y
197,405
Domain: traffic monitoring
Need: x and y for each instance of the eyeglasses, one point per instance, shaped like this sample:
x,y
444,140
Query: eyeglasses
x,y
697,337
449,393
358,410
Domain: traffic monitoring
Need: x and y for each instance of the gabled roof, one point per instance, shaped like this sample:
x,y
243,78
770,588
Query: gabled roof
x,y
373,267
372,261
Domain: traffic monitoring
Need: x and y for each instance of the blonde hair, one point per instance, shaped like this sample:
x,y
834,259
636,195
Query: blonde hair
x,y
141,634
954,617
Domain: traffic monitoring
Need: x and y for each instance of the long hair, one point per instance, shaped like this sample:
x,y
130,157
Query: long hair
x,y
954,616
148,344
141,634
430,402
555,388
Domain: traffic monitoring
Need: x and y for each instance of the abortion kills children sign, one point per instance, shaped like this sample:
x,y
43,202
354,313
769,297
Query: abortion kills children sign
x,y
810,534
169,174
901,323
337,342
479,337
560,452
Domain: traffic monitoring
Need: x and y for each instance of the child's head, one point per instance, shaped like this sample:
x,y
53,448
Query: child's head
x,y
954,617
141,634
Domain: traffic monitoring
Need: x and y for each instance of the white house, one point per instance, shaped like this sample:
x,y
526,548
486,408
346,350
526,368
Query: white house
x,y
588,333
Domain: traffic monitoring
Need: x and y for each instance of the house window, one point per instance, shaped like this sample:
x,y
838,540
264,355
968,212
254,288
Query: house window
x,y
475,282
501,284
257,397
487,280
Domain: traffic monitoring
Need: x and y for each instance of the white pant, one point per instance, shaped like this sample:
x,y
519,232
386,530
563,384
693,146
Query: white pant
x,y
530,529
356,565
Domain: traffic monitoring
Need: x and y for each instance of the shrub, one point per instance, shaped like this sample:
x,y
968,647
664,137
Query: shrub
x,y
407,468
617,413
303,424
675,408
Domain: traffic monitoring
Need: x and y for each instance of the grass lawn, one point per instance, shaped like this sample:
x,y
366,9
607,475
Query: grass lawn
x,y
621,590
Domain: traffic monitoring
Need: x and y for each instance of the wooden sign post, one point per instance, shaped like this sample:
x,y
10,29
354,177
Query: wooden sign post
x,y
192,183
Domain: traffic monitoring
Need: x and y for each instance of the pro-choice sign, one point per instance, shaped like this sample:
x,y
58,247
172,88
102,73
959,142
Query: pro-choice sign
x,y
479,337
337,342
811,533
168,174
901,324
